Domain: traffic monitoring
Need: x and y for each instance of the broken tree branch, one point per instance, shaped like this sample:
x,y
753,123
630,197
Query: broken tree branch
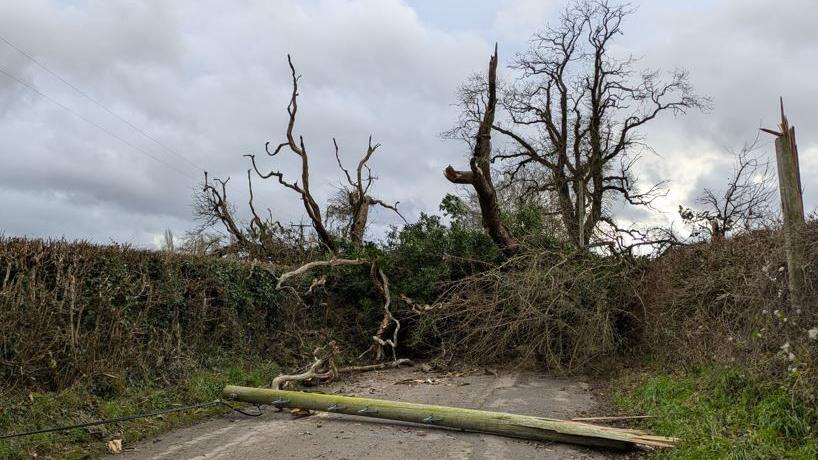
x,y
318,263
613,418
323,368
374,367
480,175
381,282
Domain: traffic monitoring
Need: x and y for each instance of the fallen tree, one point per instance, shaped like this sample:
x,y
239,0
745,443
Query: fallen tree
x,y
500,423
379,281
323,368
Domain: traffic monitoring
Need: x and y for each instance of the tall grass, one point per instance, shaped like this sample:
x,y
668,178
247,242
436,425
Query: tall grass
x,y
724,413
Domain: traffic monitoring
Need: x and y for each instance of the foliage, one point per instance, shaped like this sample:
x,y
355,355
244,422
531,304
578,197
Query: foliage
x,y
72,312
424,254
724,413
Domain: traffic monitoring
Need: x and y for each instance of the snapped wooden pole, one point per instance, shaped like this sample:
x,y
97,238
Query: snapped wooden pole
x,y
518,426
792,208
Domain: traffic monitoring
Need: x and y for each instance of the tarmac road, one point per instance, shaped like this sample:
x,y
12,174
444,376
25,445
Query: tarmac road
x,y
279,435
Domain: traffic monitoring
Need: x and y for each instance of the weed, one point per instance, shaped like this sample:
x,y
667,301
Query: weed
x,y
724,413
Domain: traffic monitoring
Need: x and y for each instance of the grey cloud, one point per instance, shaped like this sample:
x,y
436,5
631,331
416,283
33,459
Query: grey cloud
x,y
210,80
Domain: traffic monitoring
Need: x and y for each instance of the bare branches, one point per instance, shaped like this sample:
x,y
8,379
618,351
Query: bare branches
x,y
743,204
263,238
636,241
356,201
380,281
576,112
213,206
318,263
479,176
300,150
391,207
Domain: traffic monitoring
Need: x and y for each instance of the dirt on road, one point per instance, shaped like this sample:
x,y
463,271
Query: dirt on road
x,y
279,435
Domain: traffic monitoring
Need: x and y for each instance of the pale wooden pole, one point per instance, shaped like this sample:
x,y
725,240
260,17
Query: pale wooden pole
x,y
519,426
792,208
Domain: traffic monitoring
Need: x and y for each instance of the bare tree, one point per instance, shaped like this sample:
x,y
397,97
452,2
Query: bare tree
x,y
745,202
479,175
211,206
300,150
576,112
354,200
263,238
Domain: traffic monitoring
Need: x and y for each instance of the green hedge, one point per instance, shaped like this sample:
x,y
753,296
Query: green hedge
x,y
76,311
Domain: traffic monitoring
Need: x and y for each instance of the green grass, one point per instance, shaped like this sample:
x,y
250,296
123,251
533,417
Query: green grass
x,y
83,404
724,414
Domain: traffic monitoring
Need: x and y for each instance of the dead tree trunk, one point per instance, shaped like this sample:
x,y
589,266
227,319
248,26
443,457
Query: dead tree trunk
x,y
299,149
479,176
357,195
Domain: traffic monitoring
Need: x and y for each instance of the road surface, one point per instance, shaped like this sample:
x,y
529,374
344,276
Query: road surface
x,y
279,435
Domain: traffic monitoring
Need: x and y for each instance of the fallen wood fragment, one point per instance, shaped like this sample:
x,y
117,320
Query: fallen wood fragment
x,y
417,381
519,426
373,367
323,368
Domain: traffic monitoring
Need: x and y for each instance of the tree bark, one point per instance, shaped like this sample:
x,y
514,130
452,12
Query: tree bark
x,y
479,176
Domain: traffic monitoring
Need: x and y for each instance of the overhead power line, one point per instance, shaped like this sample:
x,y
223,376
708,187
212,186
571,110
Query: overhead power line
x,y
92,123
98,103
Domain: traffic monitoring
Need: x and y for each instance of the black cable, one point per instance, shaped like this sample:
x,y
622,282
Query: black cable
x,y
259,410
134,417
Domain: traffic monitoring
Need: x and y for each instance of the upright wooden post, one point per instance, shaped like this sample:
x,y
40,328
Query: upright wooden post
x,y
792,208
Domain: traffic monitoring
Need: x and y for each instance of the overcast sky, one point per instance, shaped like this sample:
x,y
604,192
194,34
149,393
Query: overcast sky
x,y
209,80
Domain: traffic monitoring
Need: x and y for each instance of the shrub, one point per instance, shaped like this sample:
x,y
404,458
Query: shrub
x,y
74,311
725,302
561,308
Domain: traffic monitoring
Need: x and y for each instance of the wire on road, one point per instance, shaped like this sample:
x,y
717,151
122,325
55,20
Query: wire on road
x,y
134,417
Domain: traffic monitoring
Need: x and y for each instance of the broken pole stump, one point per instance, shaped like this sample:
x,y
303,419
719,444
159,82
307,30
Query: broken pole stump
x,y
504,424
792,208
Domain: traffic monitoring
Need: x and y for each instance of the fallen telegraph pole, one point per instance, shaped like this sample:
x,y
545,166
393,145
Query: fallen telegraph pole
x,y
518,426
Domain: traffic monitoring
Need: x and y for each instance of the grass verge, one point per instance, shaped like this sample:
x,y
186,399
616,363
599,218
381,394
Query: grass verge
x,y
79,404
722,413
